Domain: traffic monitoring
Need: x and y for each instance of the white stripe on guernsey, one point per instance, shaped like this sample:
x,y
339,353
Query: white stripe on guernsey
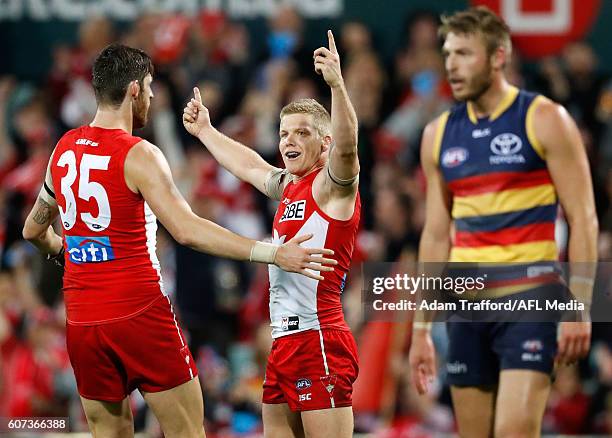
x,y
179,334
151,233
333,403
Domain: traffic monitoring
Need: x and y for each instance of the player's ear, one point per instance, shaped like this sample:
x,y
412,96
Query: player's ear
x,y
327,140
500,58
134,89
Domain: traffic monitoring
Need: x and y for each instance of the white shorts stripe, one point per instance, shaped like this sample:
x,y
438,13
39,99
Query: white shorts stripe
x,y
333,403
178,331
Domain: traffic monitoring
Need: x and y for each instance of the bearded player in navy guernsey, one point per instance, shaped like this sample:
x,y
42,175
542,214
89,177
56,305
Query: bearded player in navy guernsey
x,y
497,165
313,362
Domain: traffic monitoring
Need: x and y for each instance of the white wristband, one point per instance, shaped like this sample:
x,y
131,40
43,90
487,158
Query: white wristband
x,y
263,252
584,280
419,325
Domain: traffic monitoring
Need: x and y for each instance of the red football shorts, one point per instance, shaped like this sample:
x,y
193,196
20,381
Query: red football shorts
x,y
147,352
314,369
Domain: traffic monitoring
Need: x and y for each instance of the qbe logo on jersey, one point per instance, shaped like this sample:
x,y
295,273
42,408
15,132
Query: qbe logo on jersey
x,y
89,249
294,211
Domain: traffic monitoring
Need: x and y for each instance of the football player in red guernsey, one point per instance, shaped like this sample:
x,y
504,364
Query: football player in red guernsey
x,y
109,187
313,362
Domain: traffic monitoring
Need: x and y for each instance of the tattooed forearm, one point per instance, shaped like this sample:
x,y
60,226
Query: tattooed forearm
x,y
43,213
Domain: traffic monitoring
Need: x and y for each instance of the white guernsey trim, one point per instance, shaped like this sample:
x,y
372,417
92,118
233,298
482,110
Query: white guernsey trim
x,y
151,233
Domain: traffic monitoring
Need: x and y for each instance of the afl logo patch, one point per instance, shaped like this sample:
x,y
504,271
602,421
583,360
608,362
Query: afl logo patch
x,y
453,157
533,345
506,144
303,383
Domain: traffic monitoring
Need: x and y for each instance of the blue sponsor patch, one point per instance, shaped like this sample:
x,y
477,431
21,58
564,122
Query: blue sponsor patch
x,y
89,249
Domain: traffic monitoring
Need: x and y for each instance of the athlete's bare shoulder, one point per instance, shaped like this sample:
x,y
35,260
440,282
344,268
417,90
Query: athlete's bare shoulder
x,y
552,124
430,142
141,160
143,150
547,110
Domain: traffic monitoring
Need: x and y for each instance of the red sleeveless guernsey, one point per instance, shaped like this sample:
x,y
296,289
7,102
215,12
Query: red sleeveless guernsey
x,y
112,271
299,303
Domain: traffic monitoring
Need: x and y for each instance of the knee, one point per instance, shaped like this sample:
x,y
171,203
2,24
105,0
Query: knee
x,y
184,430
523,427
117,425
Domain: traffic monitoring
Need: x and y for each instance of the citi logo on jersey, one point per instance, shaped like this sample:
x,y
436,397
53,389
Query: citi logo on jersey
x,y
89,249
294,211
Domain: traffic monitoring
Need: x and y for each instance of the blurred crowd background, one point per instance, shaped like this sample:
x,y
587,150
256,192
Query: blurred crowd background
x,y
223,304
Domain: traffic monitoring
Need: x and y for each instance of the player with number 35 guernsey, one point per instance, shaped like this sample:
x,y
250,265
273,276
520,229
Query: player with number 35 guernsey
x,y
110,188
111,265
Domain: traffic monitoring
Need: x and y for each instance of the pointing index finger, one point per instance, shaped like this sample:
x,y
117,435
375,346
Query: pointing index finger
x,y
332,43
196,94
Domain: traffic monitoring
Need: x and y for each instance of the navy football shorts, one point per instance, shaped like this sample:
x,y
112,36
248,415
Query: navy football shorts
x,y
478,351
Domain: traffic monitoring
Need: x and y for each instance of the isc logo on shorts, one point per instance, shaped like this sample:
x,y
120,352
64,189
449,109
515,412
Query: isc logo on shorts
x,y
289,323
89,249
305,397
294,211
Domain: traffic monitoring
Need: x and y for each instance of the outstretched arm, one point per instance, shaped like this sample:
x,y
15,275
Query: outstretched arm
x,y
343,158
147,171
240,160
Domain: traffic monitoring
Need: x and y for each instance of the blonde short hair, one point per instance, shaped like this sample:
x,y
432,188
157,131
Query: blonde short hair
x,y
320,116
478,21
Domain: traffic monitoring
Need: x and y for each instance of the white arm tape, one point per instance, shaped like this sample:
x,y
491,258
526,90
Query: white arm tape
x,y
579,279
275,183
263,252
336,179
419,325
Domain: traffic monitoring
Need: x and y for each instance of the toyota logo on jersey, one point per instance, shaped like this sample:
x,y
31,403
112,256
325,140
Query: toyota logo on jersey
x,y
506,148
506,144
